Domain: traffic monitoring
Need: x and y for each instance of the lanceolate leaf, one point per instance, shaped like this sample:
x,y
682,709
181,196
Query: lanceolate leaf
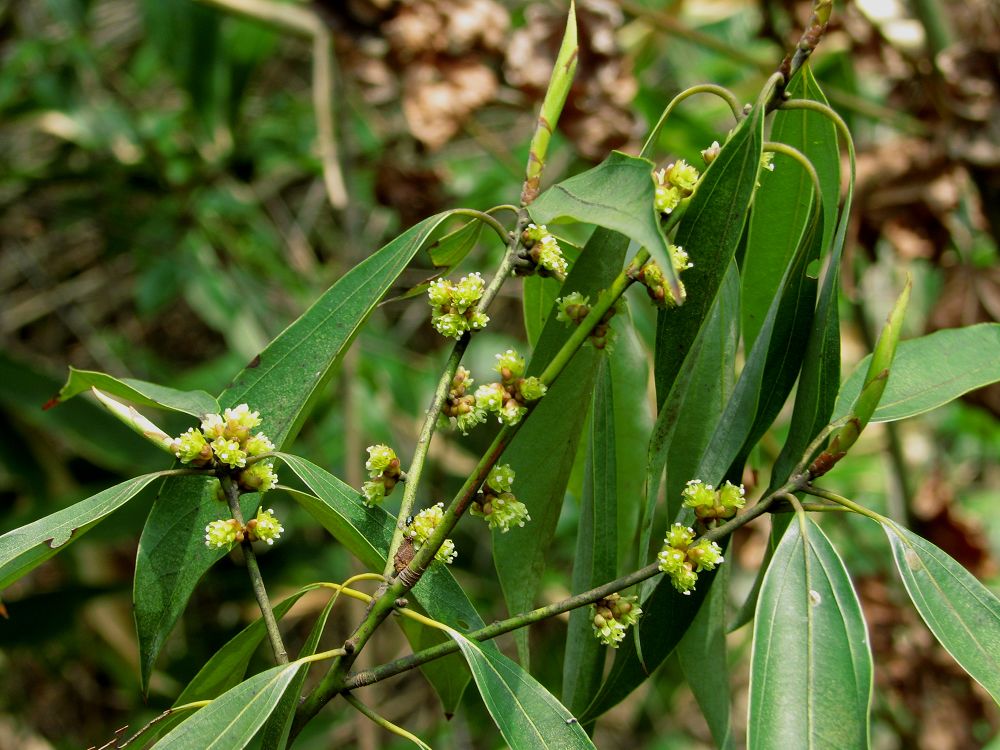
x,y
543,451
274,733
225,669
528,716
782,206
811,669
930,371
617,194
702,656
710,232
141,393
595,561
281,383
230,721
24,549
962,613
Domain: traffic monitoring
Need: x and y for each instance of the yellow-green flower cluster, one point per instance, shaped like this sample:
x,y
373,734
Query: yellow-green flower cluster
x,y
227,441
460,409
612,616
508,398
383,468
709,503
682,558
454,305
673,184
420,528
651,276
265,527
497,504
543,249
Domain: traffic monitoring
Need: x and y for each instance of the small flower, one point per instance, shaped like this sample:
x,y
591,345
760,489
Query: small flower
x,y
439,293
258,477
449,325
679,536
490,397
685,579
613,615
510,365
465,422
732,497
683,176
550,256
572,308
767,161
679,258
699,495
374,492
265,527
380,458
468,291
423,525
501,478
534,233
213,426
446,553
258,445
191,446
671,560
705,555
665,197
708,155
229,452
240,421
531,389
477,321
221,534
511,412
506,511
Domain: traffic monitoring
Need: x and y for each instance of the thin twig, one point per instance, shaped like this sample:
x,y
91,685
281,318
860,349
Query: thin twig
x,y
253,570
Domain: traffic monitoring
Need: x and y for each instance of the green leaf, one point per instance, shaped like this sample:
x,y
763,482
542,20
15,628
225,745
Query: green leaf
x,y
617,194
811,669
274,733
544,449
195,403
630,374
282,383
702,656
172,556
528,716
782,206
710,232
230,721
962,613
596,556
24,549
452,248
83,425
692,408
930,371
226,668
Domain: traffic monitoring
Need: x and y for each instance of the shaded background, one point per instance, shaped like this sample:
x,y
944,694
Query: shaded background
x,y
163,215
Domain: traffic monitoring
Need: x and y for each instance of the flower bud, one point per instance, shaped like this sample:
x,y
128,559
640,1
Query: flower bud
x,y
573,308
258,477
192,448
501,478
213,426
239,422
531,389
705,555
708,155
510,365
